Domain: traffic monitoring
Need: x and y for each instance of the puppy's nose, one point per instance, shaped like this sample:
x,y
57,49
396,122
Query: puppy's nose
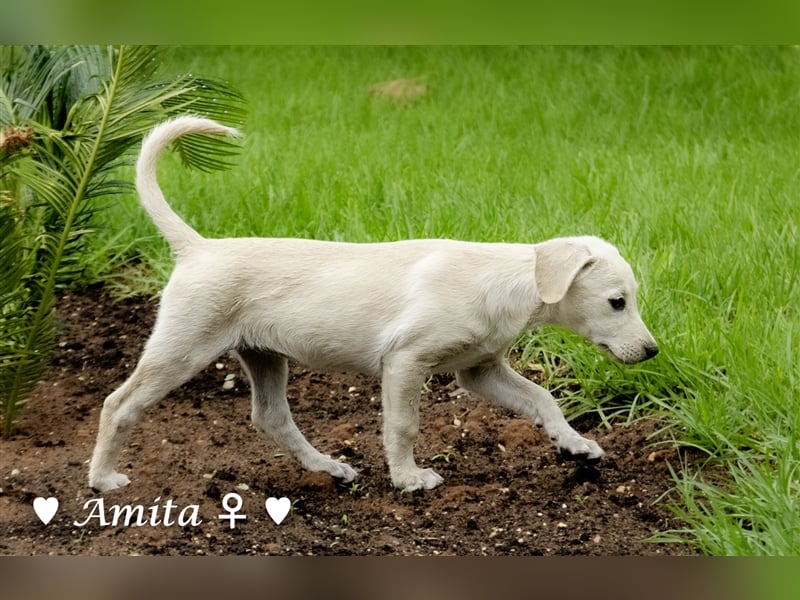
x,y
650,351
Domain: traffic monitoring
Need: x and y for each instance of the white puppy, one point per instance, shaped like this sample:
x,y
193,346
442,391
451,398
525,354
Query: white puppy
x,y
398,310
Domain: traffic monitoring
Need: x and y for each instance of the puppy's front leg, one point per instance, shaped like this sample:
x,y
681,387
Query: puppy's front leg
x,y
401,383
497,382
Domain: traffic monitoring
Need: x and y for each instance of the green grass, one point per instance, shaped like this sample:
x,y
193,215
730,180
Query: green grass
x,y
687,158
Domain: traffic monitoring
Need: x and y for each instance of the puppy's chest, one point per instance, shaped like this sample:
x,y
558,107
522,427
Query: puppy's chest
x,y
468,353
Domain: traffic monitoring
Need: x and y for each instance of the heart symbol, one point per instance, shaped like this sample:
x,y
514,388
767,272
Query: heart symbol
x,y
45,508
278,508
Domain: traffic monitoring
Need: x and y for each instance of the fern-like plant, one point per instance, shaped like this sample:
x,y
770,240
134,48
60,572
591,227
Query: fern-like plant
x,y
68,118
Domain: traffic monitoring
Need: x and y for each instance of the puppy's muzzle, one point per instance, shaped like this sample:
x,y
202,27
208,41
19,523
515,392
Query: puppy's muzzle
x,y
630,354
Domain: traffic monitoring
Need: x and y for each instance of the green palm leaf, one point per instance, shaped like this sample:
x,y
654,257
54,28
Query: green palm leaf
x,y
86,108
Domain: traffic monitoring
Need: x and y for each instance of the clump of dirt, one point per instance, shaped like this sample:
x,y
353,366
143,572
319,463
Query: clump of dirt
x,y
506,491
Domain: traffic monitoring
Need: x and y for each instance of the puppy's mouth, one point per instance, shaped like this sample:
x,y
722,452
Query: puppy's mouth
x,y
609,352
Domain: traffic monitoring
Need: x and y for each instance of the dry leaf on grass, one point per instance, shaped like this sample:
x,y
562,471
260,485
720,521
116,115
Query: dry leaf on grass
x,y
400,90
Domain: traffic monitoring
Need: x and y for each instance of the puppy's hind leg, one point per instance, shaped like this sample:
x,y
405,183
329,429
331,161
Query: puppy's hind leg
x,y
268,374
164,365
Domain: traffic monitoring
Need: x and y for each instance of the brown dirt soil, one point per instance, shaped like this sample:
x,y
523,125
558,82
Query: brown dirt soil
x,y
506,491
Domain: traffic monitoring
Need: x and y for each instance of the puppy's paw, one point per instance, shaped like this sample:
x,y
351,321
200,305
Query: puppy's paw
x,y
575,446
106,483
343,471
324,463
418,479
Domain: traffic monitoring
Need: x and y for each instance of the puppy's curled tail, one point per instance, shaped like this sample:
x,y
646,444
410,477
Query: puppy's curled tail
x,y
174,229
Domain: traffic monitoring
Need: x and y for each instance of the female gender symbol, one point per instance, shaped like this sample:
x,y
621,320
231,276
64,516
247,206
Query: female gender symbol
x,y
236,499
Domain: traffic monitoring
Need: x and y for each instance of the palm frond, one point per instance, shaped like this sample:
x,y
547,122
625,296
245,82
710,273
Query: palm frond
x,y
11,263
21,364
87,107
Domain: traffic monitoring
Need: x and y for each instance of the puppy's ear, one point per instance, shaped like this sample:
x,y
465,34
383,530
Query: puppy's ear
x,y
558,261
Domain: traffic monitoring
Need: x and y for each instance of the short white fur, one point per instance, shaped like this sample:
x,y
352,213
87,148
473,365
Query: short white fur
x,y
398,310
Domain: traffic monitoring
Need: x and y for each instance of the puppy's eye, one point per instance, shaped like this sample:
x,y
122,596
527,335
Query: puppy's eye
x,y
617,303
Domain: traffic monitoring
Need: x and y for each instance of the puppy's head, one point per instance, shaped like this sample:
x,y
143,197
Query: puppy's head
x,y
591,290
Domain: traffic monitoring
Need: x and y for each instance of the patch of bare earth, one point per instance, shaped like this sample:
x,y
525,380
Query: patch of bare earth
x,y
506,491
